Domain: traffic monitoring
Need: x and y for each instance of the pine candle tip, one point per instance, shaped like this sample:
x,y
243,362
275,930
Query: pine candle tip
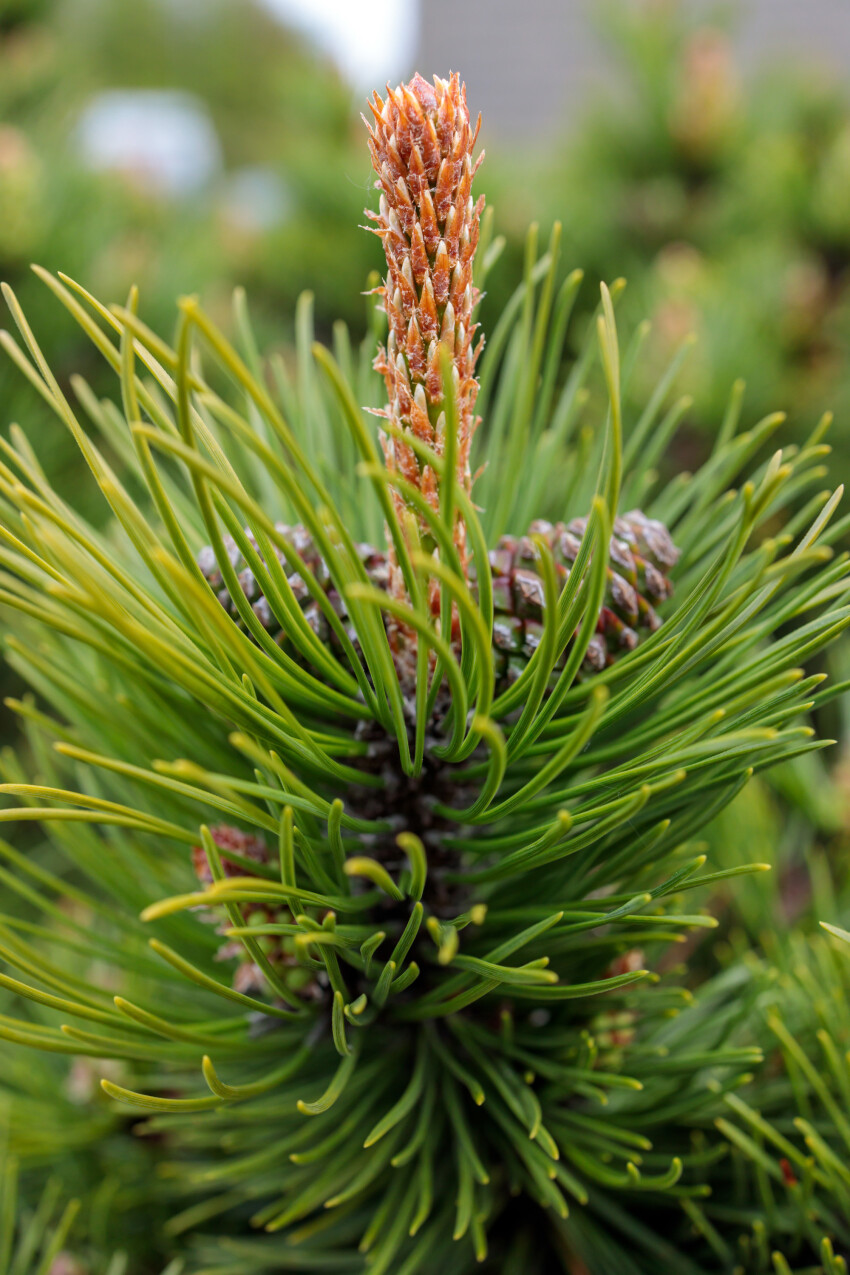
x,y
421,141
424,92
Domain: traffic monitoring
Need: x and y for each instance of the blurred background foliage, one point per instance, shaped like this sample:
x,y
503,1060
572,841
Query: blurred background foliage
x,y
267,185
723,198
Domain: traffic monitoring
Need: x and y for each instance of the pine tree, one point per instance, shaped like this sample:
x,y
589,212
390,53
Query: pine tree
x,y
371,921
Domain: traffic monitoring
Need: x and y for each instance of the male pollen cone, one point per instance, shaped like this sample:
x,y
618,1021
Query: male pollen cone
x,y
421,146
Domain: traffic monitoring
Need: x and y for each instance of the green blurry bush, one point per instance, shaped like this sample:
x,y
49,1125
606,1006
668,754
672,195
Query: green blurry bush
x,y
281,116
725,202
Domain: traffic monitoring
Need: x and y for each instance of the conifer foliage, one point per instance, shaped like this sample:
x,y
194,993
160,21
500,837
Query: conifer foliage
x,y
369,756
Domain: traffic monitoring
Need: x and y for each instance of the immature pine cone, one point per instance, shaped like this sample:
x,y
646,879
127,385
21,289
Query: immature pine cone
x,y
421,148
641,552
640,556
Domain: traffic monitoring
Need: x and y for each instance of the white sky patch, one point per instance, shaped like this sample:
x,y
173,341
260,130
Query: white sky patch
x,y
370,41
154,135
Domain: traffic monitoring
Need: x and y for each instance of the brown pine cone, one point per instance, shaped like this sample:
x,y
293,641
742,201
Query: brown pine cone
x,y
641,554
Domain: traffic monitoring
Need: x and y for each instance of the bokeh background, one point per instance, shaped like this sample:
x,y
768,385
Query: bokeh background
x,y
700,150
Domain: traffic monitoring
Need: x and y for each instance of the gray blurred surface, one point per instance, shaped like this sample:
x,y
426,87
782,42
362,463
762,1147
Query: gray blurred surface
x,y
819,28
528,62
